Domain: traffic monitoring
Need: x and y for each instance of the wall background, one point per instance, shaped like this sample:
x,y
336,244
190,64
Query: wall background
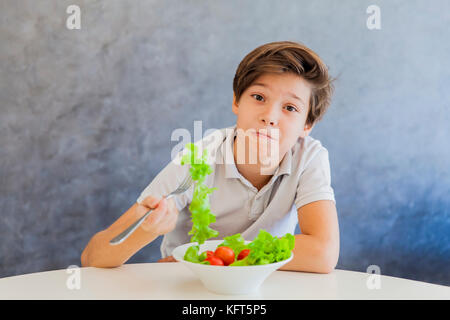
x,y
86,118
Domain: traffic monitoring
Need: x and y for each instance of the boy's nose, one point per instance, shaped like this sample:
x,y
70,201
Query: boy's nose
x,y
268,122
270,117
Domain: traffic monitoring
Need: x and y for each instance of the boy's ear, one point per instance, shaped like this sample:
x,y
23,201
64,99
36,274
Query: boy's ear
x,y
307,129
235,106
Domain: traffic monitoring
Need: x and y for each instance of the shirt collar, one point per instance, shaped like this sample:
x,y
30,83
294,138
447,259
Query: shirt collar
x,y
285,166
231,170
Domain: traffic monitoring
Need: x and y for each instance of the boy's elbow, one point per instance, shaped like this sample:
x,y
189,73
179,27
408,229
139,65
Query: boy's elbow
x,y
330,258
327,268
92,257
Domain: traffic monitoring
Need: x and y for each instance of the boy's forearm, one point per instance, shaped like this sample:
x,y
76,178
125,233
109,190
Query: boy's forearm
x,y
99,253
312,255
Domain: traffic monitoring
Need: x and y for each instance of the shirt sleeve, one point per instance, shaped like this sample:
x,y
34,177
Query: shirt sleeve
x,y
315,181
167,181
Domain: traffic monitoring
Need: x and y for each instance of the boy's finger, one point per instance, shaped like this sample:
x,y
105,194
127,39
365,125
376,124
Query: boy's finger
x,y
158,213
151,201
161,206
168,259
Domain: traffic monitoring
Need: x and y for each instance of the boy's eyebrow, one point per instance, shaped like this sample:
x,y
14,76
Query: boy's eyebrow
x,y
289,93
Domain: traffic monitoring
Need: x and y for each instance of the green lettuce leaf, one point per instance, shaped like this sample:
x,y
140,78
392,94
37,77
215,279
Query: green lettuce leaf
x,y
192,255
240,263
201,214
265,249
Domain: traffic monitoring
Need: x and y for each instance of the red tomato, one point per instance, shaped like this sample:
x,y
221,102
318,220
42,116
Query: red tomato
x,y
243,254
226,254
214,261
209,253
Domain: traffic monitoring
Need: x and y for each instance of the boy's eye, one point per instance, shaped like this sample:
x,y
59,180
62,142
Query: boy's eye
x,y
257,95
292,108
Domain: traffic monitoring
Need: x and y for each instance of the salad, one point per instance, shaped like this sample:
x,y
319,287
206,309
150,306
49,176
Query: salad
x,y
233,251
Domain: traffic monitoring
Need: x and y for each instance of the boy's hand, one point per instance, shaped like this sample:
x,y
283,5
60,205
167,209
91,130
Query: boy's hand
x,y
168,259
163,217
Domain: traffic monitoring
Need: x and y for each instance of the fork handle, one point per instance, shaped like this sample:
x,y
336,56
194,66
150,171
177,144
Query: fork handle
x,y
128,231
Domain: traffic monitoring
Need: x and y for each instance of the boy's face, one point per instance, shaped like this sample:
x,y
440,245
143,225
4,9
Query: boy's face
x,y
269,105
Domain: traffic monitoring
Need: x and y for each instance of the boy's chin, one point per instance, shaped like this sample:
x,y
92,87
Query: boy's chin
x,y
266,155
264,161
268,162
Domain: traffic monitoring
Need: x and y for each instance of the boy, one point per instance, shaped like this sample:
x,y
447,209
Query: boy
x,y
281,89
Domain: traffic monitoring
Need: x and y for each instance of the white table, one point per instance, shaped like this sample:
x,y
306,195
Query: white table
x,y
174,281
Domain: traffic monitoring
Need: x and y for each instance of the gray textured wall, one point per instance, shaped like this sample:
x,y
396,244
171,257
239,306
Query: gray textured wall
x,y
87,115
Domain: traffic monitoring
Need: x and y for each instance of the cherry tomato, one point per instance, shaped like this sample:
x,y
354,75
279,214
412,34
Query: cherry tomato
x,y
206,254
226,254
243,254
214,261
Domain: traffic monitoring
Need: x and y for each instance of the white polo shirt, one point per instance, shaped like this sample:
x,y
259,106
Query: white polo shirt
x,y
302,177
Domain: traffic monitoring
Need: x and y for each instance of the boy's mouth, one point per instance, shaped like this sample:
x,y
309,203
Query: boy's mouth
x,y
265,134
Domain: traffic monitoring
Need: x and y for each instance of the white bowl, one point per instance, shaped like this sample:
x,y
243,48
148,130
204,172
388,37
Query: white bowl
x,y
230,280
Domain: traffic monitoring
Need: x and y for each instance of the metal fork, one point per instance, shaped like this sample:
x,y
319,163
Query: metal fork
x,y
184,186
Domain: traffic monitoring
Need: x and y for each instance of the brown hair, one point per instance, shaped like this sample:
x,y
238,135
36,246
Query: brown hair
x,y
287,56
